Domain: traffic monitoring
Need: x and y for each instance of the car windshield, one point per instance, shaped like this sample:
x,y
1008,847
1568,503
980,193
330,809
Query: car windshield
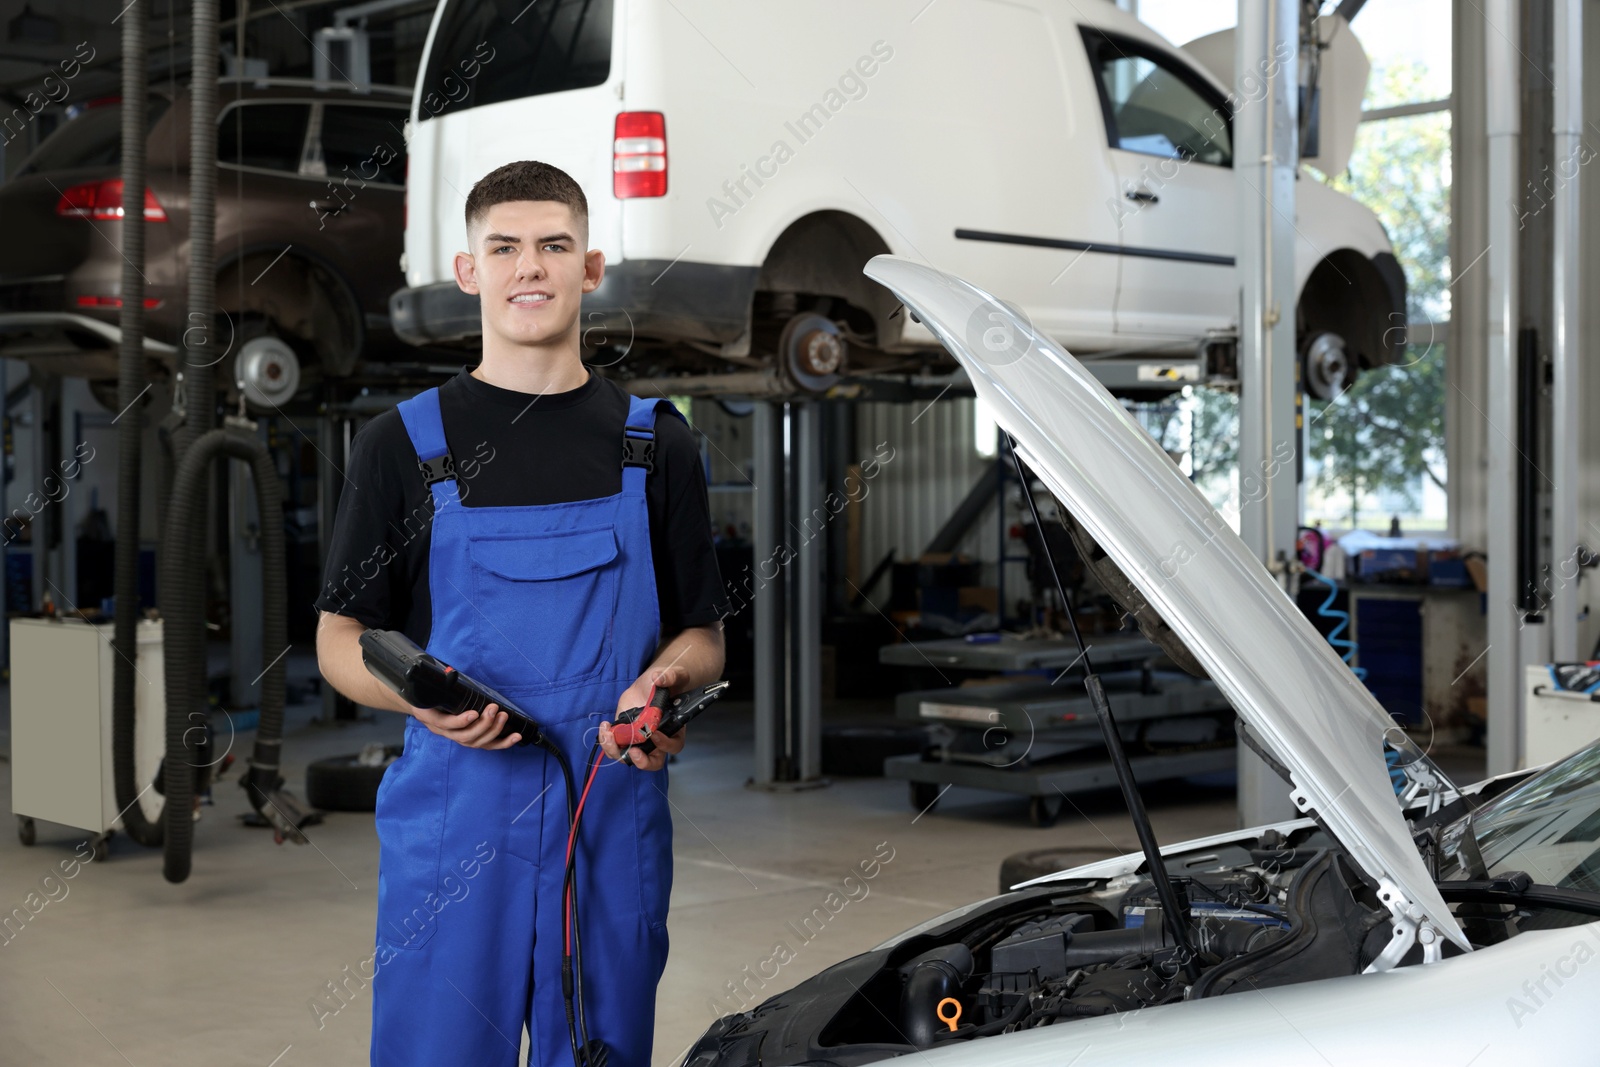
x,y
1548,827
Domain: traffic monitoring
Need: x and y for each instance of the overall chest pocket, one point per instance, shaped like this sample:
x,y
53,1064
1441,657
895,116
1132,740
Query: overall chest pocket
x,y
546,603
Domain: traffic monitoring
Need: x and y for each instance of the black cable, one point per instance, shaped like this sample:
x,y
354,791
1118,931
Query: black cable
x,y
566,978
572,963
591,766
584,1055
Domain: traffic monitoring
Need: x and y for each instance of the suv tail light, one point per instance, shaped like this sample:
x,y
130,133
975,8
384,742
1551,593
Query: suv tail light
x,y
102,201
88,301
639,155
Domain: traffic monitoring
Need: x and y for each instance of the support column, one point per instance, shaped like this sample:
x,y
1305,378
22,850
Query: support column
x,y
45,530
245,616
1502,89
767,525
1567,537
333,439
806,619
1466,355
1266,159
5,528
790,538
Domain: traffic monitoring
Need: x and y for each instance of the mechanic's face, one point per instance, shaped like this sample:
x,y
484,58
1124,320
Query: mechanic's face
x,y
530,268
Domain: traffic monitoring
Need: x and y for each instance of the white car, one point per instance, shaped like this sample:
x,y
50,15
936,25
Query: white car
x,y
743,161
1439,926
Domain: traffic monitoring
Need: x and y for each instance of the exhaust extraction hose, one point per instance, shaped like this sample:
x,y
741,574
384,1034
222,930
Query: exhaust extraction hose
x,y
200,352
131,386
183,589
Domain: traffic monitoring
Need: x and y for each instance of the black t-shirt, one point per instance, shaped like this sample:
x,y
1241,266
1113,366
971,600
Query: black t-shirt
x,y
513,449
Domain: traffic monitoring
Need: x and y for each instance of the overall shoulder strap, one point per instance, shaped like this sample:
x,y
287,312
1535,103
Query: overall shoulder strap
x,y
638,440
425,427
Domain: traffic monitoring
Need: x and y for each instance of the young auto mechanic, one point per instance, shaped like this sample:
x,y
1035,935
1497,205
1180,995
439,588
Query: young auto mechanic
x,y
500,522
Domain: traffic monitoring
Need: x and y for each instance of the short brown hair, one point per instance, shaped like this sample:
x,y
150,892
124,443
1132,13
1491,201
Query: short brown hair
x,y
526,179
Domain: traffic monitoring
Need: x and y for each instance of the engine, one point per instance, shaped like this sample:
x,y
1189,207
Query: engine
x,y
1274,914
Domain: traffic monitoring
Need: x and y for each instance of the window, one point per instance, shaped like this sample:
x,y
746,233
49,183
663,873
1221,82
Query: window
x,y
364,142
93,139
488,51
272,136
1157,107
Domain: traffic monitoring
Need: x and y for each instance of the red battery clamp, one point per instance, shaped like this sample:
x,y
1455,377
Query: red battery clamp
x,y
636,727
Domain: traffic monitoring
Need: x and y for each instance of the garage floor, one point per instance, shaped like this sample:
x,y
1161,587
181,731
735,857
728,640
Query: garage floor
x,y
223,969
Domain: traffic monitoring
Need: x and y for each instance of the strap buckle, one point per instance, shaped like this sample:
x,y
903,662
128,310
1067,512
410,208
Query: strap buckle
x,y
639,451
437,469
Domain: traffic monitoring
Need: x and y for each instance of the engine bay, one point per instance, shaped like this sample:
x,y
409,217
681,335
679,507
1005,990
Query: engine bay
x,y
1263,912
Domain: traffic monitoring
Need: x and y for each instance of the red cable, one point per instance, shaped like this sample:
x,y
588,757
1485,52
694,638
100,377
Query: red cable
x,y
572,839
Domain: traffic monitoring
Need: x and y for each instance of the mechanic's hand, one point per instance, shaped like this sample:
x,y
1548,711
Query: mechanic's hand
x,y
469,728
674,679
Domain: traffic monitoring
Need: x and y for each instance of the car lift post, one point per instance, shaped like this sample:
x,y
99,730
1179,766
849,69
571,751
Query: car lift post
x,y
787,582
1567,535
1266,159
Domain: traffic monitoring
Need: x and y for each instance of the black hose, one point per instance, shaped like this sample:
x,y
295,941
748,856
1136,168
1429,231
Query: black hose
x,y
930,979
183,596
183,558
200,352
130,434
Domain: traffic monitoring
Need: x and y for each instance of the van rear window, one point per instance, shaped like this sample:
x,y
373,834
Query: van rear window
x,y
487,51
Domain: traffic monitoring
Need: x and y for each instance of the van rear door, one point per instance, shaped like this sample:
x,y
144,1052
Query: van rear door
x,y
504,80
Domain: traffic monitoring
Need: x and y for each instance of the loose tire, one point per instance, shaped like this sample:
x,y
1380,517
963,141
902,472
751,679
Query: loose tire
x,y
1038,862
859,751
925,795
1044,811
341,783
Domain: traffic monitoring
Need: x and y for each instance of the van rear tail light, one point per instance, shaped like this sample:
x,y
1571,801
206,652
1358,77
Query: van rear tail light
x,y
102,201
639,155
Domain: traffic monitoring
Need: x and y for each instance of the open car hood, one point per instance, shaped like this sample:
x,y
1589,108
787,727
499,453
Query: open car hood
x,y
1294,693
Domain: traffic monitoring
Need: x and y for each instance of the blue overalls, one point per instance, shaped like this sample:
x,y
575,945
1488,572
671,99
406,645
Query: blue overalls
x,y
555,606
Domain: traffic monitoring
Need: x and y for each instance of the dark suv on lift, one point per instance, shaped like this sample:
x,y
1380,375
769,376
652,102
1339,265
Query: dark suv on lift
x,y
309,230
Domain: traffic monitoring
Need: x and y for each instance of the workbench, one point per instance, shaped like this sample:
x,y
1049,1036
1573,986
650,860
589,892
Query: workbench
x,y
1012,653
1040,738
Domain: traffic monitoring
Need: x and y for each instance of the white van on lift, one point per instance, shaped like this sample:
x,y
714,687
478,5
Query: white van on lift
x,y
743,162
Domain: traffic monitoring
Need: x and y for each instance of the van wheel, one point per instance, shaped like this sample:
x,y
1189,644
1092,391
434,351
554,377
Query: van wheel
x,y
1325,367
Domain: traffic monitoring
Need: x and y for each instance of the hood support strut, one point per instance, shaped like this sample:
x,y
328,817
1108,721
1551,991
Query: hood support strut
x,y
1174,910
